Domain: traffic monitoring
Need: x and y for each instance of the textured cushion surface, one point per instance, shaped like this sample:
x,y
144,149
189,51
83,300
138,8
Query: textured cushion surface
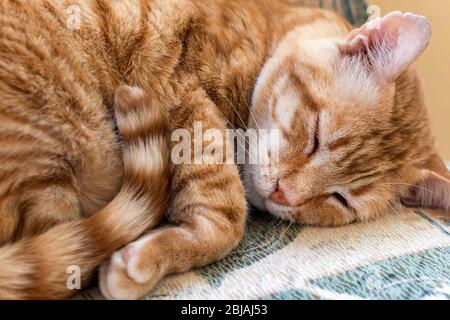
x,y
403,255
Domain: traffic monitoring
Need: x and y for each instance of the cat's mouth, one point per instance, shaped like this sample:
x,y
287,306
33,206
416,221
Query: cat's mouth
x,y
259,197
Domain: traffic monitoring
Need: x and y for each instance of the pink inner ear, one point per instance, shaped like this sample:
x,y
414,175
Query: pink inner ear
x,y
372,34
391,44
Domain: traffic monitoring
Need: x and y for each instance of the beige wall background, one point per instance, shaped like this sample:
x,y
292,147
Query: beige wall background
x,y
434,65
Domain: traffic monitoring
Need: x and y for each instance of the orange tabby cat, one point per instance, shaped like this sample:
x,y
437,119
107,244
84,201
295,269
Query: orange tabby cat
x,y
356,138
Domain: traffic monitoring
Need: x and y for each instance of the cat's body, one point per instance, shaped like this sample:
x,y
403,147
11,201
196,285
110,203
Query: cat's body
x,y
60,156
46,64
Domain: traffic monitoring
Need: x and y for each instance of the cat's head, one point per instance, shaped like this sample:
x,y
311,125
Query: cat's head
x,y
355,137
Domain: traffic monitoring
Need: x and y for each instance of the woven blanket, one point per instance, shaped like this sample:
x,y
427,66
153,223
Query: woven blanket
x,y
405,255
402,255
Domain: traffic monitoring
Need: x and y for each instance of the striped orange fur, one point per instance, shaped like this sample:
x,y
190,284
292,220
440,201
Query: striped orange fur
x,y
356,137
37,267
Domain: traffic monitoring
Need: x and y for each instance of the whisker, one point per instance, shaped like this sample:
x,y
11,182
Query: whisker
x,y
237,113
394,209
289,226
411,185
280,222
237,132
250,111
274,222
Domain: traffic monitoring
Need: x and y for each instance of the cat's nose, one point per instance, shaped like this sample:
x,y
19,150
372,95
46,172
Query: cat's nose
x,y
279,197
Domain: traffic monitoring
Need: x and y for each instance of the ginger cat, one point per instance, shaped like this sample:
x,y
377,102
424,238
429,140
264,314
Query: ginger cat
x,y
356,139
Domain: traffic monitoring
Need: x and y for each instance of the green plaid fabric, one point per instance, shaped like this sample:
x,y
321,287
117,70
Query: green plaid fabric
x,y
402,255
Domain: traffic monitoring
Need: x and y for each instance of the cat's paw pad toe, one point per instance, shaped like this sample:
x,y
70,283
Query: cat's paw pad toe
x,y
120,278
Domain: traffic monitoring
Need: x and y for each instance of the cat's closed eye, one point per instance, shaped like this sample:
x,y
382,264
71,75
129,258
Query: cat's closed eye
x,y
342,200
315,145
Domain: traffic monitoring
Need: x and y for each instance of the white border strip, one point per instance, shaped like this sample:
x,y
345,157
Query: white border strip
x,y
448,164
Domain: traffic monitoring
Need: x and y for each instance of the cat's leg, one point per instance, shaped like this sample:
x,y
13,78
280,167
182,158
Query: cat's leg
x,y
207,216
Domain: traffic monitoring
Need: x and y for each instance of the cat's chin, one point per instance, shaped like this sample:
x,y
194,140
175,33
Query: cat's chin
x,y
266,205
282,212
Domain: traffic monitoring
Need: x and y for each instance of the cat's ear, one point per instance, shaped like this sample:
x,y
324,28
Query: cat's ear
x,y
431,191
389,45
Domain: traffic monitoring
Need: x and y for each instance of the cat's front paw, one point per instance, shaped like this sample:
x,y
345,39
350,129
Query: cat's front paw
x,y
122,277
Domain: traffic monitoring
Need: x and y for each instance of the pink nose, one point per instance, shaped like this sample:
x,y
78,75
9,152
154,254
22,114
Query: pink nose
x,y
279,197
